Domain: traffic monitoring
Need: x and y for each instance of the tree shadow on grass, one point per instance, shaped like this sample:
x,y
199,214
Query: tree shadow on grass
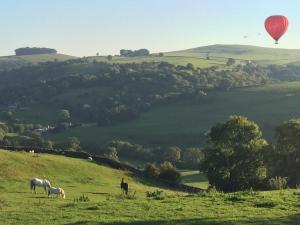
x,y
194,178
98,193
40,197
289,220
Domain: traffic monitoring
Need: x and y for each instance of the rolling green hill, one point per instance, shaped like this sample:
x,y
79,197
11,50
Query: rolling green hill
x,y
218,56
8,62
104,205
184,123
242,52
45,57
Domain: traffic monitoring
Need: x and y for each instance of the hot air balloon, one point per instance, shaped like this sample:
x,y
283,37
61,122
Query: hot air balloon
x,y
276,26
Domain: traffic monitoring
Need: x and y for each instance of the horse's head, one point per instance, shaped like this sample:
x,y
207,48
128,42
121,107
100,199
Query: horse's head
x,y
47,183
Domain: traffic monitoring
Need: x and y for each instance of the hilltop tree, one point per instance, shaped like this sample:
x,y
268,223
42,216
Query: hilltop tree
x,y
230,62
130,53
160,54
190,66
34,50
109,57
233,159
286,154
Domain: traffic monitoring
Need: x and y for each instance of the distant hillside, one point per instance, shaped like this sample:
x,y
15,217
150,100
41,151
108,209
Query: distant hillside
x,y
242,52
218,55
184,123
11,62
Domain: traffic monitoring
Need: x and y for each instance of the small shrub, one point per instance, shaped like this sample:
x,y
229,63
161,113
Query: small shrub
x,y
131,195
2,203
210,192
94,207
82,198
235,197
278,183
265,204
250,192
157,195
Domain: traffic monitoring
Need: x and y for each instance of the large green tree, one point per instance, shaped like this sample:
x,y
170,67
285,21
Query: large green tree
x,y
286,153
233,159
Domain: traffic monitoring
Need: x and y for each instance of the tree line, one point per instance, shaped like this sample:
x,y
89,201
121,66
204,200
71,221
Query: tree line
x,y
111,93
238,157
34,51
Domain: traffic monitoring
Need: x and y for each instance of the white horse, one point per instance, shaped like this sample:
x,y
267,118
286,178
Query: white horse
x,y
57,191
39,182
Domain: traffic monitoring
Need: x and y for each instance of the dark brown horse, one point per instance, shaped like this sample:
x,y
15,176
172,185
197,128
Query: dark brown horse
x,y
124,186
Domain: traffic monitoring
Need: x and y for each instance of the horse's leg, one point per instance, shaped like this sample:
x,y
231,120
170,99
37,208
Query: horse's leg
x,y
34,189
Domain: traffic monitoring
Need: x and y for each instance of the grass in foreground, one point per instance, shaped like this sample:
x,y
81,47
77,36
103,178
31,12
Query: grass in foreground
x,y
105,206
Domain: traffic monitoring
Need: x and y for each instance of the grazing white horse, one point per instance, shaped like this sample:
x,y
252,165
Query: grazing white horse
x,y
40,183
57,191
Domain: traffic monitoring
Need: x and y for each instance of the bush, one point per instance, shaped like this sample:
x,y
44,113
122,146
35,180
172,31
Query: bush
x,y
278,183
169,173
82,198
266,204
157,195
151,170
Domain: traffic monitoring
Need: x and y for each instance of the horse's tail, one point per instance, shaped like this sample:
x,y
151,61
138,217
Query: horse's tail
x,y
31,184
62,192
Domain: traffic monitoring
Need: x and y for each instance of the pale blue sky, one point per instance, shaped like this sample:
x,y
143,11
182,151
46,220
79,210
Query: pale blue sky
x,y
84,27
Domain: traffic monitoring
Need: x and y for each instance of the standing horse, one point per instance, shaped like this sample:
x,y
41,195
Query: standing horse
x,y
57,191
124,186
40,183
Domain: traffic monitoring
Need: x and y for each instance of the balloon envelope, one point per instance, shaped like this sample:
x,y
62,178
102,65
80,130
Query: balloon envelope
x,y
276,26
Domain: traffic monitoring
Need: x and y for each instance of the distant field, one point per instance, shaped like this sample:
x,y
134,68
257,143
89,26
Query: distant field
x,y
218,54
106,206
242,52
45,57
185,123
177,60
34,58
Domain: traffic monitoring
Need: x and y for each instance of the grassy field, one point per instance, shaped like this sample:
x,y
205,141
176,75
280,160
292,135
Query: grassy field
x,y
105,205
185,123
45,57
37,58
177,60
194,178
242,52
218,54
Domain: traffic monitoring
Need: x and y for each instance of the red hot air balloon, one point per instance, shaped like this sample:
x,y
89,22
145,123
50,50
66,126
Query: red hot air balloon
x,y
276,26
